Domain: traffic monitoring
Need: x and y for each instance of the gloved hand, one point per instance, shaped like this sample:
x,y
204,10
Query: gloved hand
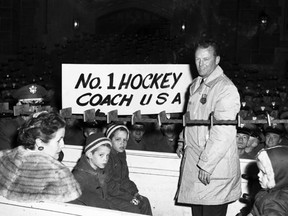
x,y
135,201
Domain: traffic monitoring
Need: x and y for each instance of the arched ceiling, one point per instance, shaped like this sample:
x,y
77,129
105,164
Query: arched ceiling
x,y
164,8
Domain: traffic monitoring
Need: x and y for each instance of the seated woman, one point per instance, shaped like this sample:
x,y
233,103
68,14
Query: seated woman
x,y
89,171
31,171
122,192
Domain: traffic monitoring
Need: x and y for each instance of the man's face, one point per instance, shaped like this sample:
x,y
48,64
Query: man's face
x,y
242,140
206,61
272,139
168,130
137,133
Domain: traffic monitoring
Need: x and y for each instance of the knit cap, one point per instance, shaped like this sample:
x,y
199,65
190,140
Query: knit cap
x,y
111,129
95,140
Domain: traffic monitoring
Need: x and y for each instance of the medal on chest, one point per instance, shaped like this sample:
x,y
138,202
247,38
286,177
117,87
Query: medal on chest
x,y
203,99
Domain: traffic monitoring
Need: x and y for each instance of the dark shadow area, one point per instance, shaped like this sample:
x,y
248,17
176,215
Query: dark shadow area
x,y
251,175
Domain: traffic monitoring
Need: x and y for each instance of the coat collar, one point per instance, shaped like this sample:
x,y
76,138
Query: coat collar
x,y
84,166
212,78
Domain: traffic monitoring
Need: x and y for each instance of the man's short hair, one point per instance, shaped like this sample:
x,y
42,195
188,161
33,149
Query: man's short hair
x,y
205,43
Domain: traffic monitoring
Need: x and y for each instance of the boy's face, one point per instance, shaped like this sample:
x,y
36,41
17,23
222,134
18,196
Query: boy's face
x,y
272,139
99,158
242,140
119,140
263,178
137,133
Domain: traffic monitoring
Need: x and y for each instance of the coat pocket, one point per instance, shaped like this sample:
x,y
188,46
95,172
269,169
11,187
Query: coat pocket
x,y
225,169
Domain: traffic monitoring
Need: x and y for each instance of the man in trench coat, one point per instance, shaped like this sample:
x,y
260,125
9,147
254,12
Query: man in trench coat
x,y
210,171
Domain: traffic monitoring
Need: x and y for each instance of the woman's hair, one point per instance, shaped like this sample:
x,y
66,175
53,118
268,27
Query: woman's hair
x,y
40,125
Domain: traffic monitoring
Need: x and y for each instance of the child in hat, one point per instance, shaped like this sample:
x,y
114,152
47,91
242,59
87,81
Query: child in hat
x,y
89,171
272,199
122,192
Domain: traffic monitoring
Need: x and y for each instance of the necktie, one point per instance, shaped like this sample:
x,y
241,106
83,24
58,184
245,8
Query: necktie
x,y
202,81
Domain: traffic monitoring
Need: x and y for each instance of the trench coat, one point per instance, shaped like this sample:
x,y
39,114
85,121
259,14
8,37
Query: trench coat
x,y
211,147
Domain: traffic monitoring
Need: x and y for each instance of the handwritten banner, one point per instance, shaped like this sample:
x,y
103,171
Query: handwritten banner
x,y
126,88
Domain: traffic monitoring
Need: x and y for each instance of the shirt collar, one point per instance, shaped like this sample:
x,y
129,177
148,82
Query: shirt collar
x,y
209,81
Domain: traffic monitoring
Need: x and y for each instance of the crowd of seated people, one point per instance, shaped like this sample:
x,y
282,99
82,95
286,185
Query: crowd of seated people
x,y
258,101
151,136
260,95
251,138
38,64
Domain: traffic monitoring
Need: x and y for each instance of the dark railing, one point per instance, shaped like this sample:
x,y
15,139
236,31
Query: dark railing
x,y
92,115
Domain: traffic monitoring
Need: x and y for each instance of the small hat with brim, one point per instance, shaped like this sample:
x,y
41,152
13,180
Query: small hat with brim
x,y
31,91
274,128
245,129
138,126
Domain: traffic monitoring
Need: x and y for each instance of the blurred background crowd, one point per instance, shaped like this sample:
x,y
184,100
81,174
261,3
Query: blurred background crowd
x,y
261,97
38,36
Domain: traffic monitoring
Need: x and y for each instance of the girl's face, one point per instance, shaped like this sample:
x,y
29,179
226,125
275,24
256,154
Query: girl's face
x,y
119,140
263,178
99,158
55,145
